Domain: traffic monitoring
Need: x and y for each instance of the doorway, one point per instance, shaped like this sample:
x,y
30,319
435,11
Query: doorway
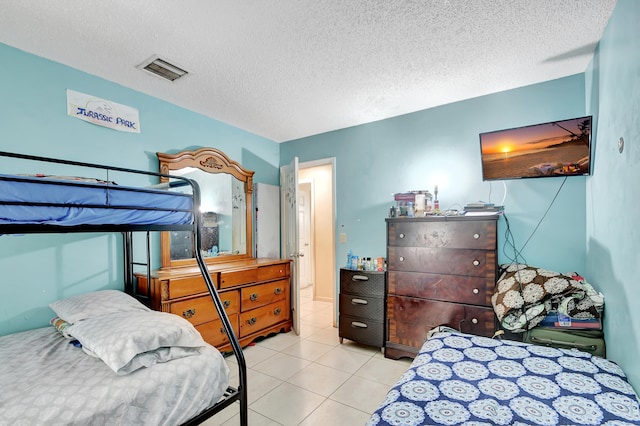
x,y
316,195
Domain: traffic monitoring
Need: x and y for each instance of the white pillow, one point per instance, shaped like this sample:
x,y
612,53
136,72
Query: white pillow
x,y
94,304
127,341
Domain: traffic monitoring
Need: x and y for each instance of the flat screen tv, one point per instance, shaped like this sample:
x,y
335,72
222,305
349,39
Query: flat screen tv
x,y
557,148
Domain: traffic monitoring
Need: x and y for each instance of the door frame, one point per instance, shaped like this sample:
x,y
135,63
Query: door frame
x,y
331,161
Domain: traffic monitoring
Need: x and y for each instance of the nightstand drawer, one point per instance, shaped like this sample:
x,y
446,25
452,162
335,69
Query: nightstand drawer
x,y
366,283
362,306
362,330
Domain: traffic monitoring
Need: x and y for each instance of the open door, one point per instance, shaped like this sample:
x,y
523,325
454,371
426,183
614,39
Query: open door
x,y
290,232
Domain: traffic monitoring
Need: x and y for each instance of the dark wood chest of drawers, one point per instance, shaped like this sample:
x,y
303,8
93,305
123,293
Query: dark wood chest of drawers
x,y
361,306
440,271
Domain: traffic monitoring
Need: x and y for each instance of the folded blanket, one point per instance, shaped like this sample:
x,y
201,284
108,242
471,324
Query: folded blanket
x,y
524,295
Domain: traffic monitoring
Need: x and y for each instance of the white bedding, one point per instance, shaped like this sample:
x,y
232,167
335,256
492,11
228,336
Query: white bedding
x,y
45,380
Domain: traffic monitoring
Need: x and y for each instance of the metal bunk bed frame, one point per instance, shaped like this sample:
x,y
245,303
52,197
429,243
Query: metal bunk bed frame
x,y
232,394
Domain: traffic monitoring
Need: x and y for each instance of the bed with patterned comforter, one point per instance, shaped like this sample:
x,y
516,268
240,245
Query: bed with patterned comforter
x,y
461,379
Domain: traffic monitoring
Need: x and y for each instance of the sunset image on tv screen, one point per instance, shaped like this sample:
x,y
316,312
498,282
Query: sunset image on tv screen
x,y
558,148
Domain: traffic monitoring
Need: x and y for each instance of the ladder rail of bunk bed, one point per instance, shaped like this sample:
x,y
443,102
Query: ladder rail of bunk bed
x,y
232,394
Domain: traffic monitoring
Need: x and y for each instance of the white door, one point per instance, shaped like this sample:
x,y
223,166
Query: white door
x,y
289,227
305,239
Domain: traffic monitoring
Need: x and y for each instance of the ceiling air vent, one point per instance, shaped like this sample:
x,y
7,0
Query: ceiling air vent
x,y
163,69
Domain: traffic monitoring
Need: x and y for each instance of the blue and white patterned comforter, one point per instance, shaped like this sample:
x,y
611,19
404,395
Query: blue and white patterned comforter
x,y
461,379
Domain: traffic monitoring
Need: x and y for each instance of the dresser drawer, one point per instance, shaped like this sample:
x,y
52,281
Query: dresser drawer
x,y
201,309
234,278
213,331
411,319
449,234
266,273
361,306
263,294
197,310
260,318
363,283
477,263
230,300
362,330
453,288
181,287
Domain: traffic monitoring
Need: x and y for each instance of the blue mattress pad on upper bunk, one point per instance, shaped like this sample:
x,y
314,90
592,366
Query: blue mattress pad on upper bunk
x,y
84,203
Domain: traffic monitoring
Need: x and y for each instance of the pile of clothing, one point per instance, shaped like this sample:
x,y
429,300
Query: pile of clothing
x,y
524,295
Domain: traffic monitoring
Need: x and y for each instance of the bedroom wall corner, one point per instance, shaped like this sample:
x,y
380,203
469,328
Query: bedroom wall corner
x,y
613,242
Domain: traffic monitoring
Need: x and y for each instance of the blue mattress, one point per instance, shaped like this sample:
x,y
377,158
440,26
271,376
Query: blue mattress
x,y
460,379
36,200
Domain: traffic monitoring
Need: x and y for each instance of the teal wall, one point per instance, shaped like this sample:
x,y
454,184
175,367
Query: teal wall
x,y
613,202
588,229
441,146
37,270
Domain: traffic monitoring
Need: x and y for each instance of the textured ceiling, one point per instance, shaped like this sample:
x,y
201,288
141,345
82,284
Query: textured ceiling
x,y
286,69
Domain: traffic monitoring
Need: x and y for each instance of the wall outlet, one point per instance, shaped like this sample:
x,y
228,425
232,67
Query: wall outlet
x,y
343,238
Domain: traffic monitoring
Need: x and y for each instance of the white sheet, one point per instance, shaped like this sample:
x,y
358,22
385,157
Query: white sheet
x,y
46,380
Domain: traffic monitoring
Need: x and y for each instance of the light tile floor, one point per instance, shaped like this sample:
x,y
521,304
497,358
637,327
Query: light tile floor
x,y
312,379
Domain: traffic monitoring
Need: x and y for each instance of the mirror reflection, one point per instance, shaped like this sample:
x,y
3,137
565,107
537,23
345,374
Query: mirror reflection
x,y
225,212
223,209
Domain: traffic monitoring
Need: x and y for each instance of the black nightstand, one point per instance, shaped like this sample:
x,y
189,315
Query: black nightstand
x,y
361,309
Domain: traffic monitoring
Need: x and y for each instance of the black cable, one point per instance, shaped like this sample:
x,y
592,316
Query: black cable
x,y
510,240
545,213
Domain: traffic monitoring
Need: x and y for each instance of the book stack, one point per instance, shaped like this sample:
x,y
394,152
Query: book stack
x,y
560,321
480,208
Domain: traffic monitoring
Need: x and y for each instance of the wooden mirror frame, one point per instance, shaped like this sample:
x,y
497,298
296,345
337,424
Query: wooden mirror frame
x,y
214,161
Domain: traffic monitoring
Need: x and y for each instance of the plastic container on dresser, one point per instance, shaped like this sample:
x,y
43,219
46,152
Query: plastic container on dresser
x,y
361,306
441,270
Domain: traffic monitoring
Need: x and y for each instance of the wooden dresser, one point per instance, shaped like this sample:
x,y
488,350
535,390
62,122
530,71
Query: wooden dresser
x,y
256,294
441,270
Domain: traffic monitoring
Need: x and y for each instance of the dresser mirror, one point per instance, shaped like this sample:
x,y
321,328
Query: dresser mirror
x,y
225,190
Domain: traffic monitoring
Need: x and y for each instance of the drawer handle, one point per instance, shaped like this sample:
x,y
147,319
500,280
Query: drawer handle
x,y
253,297
277,291
226,303
476,262
222,330
277,311
401,235
476,291
252,320
401,258
474,321
476,236
359,302
189,313
360,278
357,324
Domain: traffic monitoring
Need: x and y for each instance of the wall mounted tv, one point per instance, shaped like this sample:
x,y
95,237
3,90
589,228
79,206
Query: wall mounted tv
x,y
557,148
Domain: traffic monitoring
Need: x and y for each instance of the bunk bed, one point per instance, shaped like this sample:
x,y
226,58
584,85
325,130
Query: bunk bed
x,y
186,383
